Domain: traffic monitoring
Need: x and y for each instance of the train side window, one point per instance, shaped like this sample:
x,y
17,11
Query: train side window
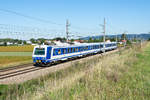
x,y
59,51
84,48
80,48
64,51
71,50
77,49
68,50
54,52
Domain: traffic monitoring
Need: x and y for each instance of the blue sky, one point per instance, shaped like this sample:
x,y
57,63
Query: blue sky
x,y
85,16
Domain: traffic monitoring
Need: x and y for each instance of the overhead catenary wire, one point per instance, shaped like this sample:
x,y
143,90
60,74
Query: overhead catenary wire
x,y
29,17
85,30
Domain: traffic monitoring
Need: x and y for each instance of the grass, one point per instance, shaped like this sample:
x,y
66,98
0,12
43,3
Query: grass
x,y
15,53
26,48
120,76
6,61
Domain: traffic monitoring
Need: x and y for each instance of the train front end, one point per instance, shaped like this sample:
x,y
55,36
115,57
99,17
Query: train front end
x,y
40,55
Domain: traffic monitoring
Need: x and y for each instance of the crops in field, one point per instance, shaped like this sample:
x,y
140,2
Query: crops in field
x,y
120,76
7,61
27,48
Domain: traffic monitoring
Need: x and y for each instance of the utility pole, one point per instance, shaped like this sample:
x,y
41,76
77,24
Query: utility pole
x,y
67,30
104,33
104,28
116,38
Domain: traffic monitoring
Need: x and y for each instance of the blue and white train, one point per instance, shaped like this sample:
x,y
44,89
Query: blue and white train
x,y
45,55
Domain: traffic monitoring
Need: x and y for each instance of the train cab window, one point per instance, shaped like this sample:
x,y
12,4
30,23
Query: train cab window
x,y
39,51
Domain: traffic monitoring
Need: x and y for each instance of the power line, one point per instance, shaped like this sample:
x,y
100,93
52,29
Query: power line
x,y
41,20
29,17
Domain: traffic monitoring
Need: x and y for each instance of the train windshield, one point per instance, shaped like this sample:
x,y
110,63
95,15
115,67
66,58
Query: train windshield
x,y
39,51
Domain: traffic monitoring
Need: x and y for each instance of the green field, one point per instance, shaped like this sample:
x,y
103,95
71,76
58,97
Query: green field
x,y
15,53
120,76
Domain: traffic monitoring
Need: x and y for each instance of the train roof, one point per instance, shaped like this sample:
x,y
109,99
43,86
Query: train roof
x,y
74,45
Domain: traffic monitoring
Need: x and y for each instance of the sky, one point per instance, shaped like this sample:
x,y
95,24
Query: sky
x,y
85,17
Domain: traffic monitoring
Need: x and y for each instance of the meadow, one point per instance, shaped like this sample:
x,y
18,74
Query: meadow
x,y
15,55
26,48
120,76
7,61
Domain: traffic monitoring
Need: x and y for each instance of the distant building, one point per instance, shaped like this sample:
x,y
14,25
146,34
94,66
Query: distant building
x,y
9,43
29,42
81,41
1,43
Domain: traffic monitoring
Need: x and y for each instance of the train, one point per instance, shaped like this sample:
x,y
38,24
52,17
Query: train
x,y
45,55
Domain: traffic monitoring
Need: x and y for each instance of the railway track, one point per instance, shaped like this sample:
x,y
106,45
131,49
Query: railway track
x,y
17,70
15,67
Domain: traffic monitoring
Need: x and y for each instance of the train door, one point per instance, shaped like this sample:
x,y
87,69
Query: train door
x,y
49,52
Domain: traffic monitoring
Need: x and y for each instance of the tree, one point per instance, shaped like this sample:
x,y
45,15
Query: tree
x,y
112,39
72,40
5,43
15,41
60,39
41,40
123,36
90,40
24,42
32,40
19,41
